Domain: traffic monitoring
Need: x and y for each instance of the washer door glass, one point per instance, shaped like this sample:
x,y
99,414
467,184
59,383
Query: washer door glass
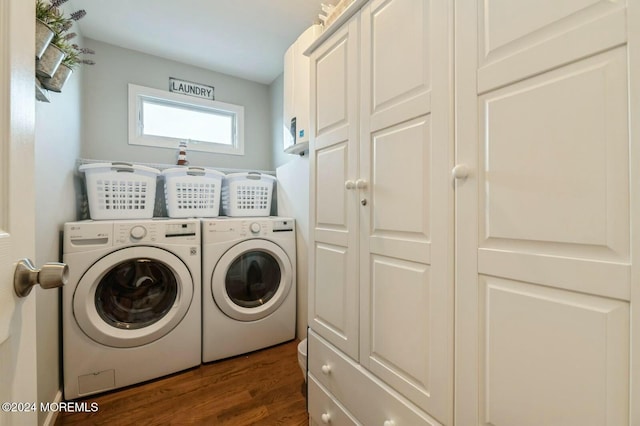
x,y
253,278
133,296
136,293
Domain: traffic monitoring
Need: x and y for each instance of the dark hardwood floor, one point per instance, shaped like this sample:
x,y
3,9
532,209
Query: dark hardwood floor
x,y
264,387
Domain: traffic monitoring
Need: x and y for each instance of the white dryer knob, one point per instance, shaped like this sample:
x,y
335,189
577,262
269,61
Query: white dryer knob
x,y
255,227
138,232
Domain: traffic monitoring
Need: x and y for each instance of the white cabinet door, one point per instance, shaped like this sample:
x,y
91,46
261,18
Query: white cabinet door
x,y
543,220
406,200
333,265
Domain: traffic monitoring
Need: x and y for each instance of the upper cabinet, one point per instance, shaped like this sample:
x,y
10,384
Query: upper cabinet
x,y
296,93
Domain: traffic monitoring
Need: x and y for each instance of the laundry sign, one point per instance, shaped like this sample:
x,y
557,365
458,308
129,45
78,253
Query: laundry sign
x,y
191,89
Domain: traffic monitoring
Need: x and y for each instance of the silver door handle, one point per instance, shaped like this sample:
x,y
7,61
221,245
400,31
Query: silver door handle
x,y
51,275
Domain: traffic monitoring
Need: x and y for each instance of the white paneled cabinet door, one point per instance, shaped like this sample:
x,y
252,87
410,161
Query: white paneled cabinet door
x,y
543,250
333,284
406,200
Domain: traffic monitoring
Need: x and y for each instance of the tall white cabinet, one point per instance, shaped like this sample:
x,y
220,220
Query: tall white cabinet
x,y
473,256
547,219
382,259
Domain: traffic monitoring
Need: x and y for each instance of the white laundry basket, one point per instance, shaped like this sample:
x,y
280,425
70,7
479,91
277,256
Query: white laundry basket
x,y
247,194
120,190
192,192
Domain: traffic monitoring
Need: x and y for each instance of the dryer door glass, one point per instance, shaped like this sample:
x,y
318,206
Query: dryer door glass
x,y
252,279
136,293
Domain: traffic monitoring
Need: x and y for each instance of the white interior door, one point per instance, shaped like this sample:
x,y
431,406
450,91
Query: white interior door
x,y
17,114
543,222
406,200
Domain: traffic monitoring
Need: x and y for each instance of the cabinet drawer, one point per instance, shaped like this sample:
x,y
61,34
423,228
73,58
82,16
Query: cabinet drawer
x,y
331,367
323,409
368,399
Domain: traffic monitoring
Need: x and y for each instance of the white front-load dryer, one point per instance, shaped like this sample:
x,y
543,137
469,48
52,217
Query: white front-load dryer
x,y
249,285
131,310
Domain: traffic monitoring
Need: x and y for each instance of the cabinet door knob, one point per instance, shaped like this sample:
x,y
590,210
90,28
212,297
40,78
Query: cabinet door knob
x,y
326,418
460,171
361,184
326,369
349,184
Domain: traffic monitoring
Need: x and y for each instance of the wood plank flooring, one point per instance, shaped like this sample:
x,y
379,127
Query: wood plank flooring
x,y
264,387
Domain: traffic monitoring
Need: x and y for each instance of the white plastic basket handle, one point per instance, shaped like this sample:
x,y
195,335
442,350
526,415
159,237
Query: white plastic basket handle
x,y
122,167
254,175
196,171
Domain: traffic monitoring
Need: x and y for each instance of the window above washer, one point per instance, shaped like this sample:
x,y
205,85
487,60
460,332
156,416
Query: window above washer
x,y
163,119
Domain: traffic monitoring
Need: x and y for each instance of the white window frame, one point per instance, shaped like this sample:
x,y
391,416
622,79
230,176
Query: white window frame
x,y
136,137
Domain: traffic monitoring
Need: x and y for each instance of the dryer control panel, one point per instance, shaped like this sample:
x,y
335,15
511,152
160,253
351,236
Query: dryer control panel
x,y
228,229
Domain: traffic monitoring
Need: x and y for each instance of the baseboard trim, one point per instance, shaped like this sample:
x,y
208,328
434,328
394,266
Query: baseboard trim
x,y
50,420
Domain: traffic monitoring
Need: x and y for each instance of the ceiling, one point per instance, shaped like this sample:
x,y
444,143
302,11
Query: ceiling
x,y
243,38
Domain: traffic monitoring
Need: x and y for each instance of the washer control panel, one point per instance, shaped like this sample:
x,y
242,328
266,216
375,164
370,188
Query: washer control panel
x,y
185,229
156,231
87,235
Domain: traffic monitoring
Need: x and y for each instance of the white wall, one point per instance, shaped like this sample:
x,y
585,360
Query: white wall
x,y
276,94
293,201
105,106
57,146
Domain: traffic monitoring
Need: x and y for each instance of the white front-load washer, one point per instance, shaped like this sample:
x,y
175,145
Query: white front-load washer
x,y
131,310
249,284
